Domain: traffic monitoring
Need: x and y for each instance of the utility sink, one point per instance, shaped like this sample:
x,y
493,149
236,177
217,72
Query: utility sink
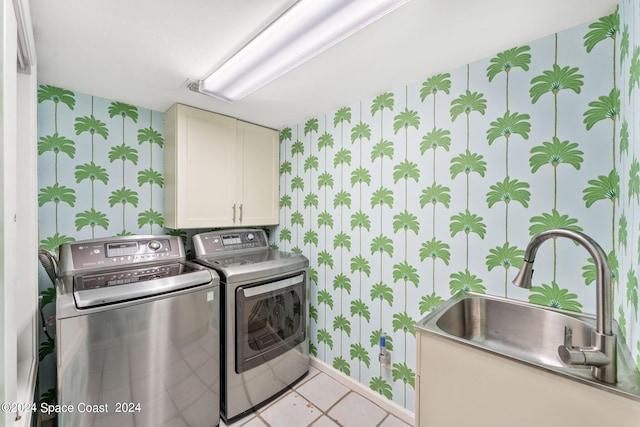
x,y
499,359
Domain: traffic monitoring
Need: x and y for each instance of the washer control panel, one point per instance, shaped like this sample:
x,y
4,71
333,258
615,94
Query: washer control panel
x,y
230,240
124,251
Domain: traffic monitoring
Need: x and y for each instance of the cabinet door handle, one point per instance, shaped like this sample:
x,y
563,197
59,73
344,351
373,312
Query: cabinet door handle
x,y
234,212
240,212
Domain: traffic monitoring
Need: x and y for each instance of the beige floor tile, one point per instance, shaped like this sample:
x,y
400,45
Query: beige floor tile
x,y
392,421
291,411
324,421
323,391
356,411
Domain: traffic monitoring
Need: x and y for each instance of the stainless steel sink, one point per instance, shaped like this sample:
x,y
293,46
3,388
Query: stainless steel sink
x,y
528,334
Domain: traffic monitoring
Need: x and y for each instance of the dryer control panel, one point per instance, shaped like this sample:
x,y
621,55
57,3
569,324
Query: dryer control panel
x,y
230,240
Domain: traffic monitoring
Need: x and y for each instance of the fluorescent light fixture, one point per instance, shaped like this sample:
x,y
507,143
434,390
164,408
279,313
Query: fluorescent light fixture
x,y
306,29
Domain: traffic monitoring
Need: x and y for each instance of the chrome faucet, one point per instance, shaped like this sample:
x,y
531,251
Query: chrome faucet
x,y
601,355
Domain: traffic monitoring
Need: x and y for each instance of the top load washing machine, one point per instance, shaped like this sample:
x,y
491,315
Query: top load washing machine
x,y
264,317
137,334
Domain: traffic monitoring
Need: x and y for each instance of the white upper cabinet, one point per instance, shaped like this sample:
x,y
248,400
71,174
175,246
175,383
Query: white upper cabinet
x,y
219,171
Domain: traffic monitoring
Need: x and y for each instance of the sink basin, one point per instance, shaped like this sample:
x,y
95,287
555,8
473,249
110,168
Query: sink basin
x,y
527,333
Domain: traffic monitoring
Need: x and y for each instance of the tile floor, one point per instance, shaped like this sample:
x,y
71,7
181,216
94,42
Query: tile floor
x,y
319,401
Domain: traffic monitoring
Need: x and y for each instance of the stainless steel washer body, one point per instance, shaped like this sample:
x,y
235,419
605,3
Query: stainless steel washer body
x,y
265,339
137,334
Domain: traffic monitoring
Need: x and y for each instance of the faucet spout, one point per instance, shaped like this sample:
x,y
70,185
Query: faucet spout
x,y
603,339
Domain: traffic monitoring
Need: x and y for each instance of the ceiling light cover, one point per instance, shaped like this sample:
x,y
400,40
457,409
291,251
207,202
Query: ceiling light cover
x,y
302,32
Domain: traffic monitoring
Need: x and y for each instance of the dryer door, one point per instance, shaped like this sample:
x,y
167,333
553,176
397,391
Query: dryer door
x,y
270,320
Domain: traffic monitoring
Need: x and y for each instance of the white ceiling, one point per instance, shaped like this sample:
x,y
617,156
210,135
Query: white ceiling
x,y
142,52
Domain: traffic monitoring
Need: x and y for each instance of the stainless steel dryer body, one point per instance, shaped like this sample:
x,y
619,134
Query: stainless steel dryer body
x,y
265,338
137,334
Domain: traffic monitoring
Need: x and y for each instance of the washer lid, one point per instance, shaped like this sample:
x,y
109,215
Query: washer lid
x,y
248,266
114,286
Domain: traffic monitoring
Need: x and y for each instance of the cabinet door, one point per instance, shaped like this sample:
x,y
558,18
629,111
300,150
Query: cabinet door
x,y
257,183
200,166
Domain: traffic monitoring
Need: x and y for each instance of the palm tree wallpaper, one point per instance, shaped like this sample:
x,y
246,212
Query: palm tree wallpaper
x,y
100,169
405,198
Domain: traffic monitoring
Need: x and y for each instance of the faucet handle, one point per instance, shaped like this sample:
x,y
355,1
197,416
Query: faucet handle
x,y
577,356
568,337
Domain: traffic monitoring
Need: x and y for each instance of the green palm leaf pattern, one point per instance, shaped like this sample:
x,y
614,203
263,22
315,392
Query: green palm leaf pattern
x,y
56,194
555,80
379,385
429,303
325,258
435,193
382,196
434,84
297,218
92,172
360,309
435,249
285,235
553,296
403,322
92,125
464,281
342,157
605,28
297,148
374,339
285,168
123,110
434,139
310,163
468,102
382,101
325,180
56,144
342,240
382,244
507,191
632,290
554,153
53,243
361,131
602,188
505,256
508,60
124,196
123,152
402,372
634,181
606,107
357,351
151,177
325,219
405,272
468,223
406,119
150,217
311,199
342,198
342,323
311,238
360,220
151,136
406,170
340,364
468,162
406,221
342,115
634,70
548,221
360,175
91,218
325,140
361,265
324,297
324,336
382,292
508,125
382,149
311,125
285,201
286,134
297,183
57,95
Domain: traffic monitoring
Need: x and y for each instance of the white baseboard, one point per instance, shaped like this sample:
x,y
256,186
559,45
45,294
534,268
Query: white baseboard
x,y
393,408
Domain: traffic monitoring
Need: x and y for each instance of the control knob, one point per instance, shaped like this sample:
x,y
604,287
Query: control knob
x,y
154,245
250,236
